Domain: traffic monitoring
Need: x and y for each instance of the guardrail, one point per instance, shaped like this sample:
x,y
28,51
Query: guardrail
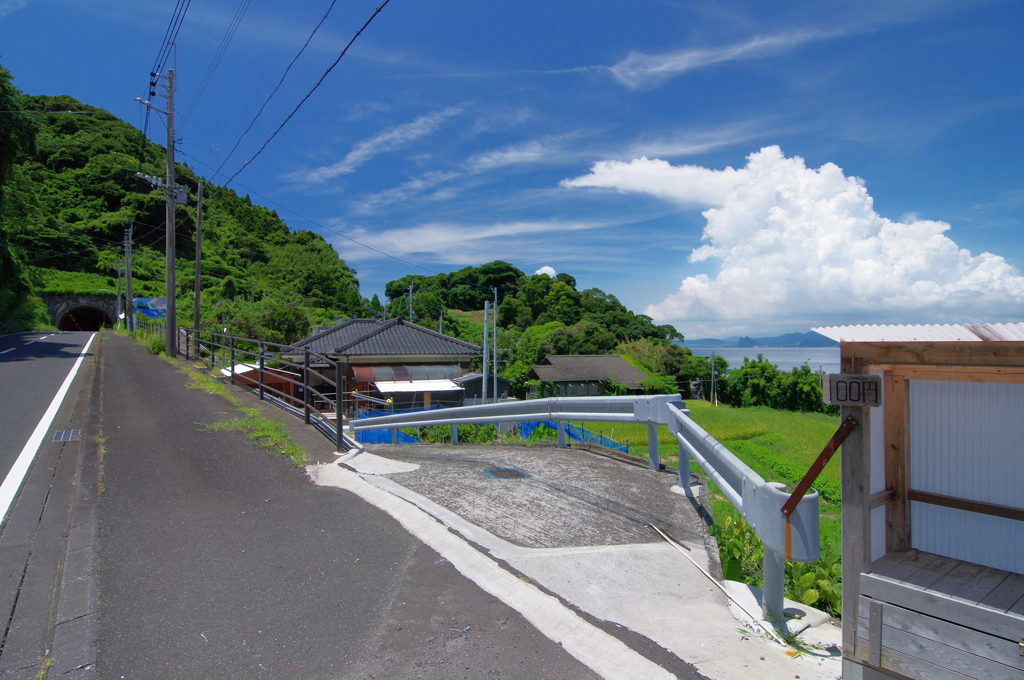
x,y
795,537
652,410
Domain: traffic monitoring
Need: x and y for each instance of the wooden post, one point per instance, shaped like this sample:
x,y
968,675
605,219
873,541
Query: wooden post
x,y
897,462
856,480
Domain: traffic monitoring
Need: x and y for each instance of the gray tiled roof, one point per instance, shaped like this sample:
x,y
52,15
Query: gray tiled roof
x,y
586,367
362,337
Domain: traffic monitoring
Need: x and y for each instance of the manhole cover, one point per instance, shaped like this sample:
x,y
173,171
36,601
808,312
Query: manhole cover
x,y
506,473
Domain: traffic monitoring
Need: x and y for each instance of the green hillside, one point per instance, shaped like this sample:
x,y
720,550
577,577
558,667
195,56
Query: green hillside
x,y
70,196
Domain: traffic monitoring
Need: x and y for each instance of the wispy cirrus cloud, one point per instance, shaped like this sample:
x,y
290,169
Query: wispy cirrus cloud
x,y
640,70
388,140
8,6
462,243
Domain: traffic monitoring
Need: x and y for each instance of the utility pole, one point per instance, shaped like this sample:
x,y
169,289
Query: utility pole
x,y
119,267
129,316
494,349
199,261
483,386
713,397
440,321
175,194
410,303
171,324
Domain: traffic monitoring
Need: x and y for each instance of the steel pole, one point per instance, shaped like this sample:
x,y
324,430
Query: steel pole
x,y
169,246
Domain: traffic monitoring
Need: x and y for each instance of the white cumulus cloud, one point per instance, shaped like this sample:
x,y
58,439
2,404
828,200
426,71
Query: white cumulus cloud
x,y
803,245
550,271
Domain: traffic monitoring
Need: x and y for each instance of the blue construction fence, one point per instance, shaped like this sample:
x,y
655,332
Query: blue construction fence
x,y
574,432
384,436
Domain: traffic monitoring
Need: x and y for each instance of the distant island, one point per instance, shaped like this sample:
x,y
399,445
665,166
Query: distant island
x,y
808,339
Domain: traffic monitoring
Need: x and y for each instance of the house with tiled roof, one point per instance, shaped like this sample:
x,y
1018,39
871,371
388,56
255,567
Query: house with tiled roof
x,y
587,375
412,366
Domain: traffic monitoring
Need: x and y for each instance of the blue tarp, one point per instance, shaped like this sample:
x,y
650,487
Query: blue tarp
x,y
384,436
574,432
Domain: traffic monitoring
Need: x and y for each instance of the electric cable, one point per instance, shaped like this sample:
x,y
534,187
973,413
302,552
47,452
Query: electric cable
x,y
276,88
308,94
215,62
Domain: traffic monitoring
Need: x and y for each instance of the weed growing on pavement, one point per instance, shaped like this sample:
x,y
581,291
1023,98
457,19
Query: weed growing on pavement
x,y
198,380
273,436
44,669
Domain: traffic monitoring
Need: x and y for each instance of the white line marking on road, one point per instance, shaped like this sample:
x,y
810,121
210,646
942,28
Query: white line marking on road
x,y
606,655
29,342
8,350
12,483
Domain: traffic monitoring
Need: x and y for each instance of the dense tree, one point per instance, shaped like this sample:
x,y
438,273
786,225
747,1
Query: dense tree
x,y
19,308
72,195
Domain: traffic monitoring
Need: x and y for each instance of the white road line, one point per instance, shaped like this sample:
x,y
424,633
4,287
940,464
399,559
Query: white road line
x,y
8,350
16,477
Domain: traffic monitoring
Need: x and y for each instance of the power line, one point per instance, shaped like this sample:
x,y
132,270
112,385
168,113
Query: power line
x,y
215,62
276,87
310,93
170,38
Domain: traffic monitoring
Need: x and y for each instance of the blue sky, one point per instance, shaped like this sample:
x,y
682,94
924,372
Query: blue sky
x,y
728,167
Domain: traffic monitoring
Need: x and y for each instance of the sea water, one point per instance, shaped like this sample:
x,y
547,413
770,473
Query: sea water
x,y
786,358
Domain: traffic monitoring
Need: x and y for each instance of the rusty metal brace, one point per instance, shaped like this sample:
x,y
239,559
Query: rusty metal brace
x,y
848,426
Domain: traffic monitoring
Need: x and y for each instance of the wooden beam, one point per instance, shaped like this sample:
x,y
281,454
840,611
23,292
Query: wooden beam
x,y
986,374
897,462
980,507
936,353
880,498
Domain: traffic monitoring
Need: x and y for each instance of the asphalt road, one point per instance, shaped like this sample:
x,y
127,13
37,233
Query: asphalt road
x,y
32,368
34,537
220,560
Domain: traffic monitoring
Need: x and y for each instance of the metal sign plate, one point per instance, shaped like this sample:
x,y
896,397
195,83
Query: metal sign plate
x,y
843,389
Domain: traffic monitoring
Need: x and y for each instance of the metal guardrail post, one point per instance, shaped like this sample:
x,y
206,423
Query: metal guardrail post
x,y
188,346
561,434
772,595
455,435
394,435
261,371
652,446
232,358
305,385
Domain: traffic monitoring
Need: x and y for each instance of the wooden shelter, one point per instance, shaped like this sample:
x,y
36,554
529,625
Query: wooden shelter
x,y
933,503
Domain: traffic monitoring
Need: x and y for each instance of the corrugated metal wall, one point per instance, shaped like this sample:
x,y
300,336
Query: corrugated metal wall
x,y
967,441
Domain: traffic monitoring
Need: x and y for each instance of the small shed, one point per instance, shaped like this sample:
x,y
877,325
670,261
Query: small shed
x,y
933,503
587,375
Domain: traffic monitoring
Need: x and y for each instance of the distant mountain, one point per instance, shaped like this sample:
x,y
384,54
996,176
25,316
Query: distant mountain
x,y
809,339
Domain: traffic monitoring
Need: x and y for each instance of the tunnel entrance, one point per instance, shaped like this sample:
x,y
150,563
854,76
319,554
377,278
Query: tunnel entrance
x,y
84,318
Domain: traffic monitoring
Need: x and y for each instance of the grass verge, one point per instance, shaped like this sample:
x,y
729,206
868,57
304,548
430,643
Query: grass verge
x,y
273,436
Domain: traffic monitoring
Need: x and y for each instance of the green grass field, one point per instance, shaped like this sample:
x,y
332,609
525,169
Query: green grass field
x,y
778,445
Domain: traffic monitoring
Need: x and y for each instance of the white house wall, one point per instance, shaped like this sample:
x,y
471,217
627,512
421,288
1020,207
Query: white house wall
x,y
967,441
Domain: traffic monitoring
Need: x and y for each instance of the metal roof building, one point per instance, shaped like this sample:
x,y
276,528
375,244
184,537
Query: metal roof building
x,y
933,517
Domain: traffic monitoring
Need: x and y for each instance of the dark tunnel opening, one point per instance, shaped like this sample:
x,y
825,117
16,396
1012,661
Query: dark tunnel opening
x,y
84,319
